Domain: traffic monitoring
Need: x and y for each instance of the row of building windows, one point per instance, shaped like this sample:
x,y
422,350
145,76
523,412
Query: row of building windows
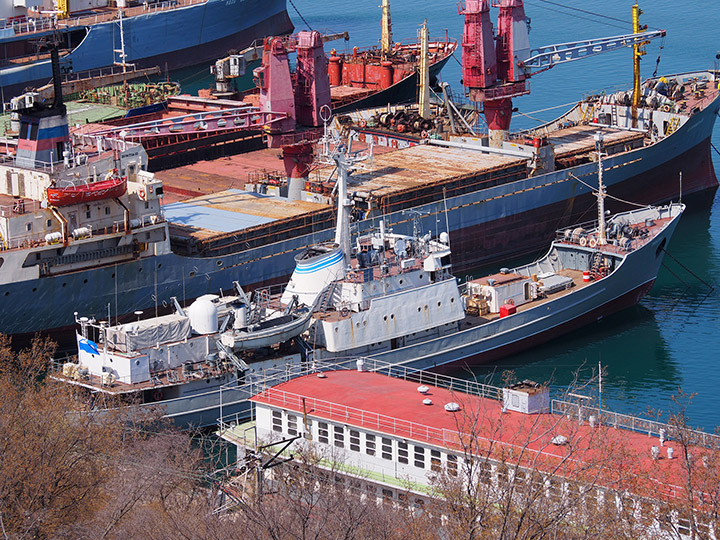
x,y
372,445
554,489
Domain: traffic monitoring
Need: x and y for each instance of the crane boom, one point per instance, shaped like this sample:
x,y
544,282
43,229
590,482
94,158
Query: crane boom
x,y
552,55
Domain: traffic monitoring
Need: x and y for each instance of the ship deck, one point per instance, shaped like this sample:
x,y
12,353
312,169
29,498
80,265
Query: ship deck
x,y
39,25
160,380
392,173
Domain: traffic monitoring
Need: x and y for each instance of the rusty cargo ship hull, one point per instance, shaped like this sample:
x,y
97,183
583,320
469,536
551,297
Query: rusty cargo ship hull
x,y
490,202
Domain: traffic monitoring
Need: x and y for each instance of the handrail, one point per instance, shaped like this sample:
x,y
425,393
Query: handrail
x,y
633,423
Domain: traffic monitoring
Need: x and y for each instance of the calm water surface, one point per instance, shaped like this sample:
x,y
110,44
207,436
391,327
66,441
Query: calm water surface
x,y
672,339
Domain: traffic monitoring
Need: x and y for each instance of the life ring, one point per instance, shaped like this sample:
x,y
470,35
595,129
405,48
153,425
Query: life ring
x,y
393,143
592,243
141,194
363,123
344,311
158,395
424,134
150,189
666,108
583,241
602,271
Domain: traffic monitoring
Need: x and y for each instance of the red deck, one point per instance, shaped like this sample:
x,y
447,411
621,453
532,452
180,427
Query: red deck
x,y
391,405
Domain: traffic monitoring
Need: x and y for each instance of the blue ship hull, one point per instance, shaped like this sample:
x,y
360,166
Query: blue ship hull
x,y
486,225
175,38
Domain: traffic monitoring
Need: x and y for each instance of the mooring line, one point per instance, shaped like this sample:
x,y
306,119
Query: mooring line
x,y
689,271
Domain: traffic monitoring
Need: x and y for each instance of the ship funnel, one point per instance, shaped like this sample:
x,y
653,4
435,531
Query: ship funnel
x,y
315,269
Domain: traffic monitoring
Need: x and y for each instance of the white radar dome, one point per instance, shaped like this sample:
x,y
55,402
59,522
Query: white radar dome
x,y
203,315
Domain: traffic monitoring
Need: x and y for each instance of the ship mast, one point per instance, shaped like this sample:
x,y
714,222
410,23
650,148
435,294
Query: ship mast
x,y
638,53
386,42
602,239
342,227
424,73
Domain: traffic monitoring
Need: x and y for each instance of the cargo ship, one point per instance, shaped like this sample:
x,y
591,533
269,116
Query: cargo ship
x,y
498,203
92,35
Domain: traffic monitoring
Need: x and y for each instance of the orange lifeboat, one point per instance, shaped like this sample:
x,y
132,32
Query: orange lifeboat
x,y
84,193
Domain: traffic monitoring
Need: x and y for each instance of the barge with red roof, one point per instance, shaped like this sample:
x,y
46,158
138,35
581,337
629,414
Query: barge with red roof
x,y
403,435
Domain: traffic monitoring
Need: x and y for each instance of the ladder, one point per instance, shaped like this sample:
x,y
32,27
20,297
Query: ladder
x,y
672,126
326,298
237,362
587,113
596,263
614,115
3,243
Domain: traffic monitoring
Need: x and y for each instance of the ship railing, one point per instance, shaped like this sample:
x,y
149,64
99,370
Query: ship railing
x,y
311,135
98,72
25,163
602,417
268,378
157,378
27,25
146,7
406,44
19,207
367,419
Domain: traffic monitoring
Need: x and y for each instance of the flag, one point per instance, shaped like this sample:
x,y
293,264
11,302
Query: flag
x,y
88,346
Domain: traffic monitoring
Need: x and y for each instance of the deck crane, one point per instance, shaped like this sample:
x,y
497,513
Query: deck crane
x,y
235,65
496,66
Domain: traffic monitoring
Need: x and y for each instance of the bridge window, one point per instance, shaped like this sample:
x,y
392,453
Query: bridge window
x,y
292,424
386,448
419,457
323,434
354,440
369,444
403,452
277,421
339,436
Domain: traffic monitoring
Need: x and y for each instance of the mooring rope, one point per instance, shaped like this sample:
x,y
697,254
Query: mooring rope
x,y
690,272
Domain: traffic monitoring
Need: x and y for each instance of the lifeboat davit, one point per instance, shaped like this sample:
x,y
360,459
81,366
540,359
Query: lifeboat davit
x,y
84,193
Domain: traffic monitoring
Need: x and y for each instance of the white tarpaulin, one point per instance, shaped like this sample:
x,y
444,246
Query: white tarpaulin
x,y
148,333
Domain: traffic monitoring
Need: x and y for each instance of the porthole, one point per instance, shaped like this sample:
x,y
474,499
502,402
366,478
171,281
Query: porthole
x,y
140,270
421,276
439,303
401,282
64,284
385,318
392,315
7,293
159,265
112,276
85,281
34,289
219,263
419,309
364,323
426,308
192,274
357,324
452,300
336,329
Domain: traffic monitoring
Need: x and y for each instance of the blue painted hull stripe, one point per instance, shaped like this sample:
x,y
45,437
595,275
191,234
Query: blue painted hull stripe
x,y
321,265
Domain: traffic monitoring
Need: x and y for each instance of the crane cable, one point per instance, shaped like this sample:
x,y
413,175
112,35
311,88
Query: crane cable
x,y
594,14
300,15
